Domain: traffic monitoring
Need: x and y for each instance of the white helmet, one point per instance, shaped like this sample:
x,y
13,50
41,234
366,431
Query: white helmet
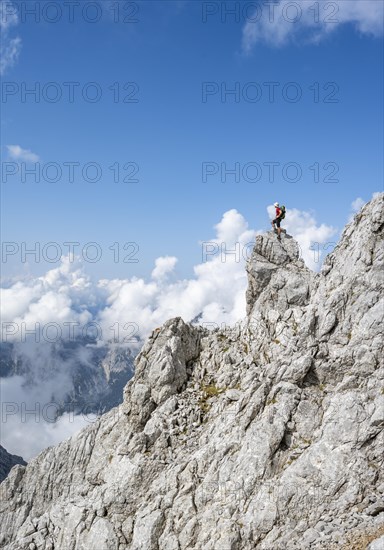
x,y
276,204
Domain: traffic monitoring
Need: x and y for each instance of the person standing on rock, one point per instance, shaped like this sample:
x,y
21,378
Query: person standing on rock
x,y
280,215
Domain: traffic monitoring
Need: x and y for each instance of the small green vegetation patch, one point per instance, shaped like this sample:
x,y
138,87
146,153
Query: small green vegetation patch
x,y
211,391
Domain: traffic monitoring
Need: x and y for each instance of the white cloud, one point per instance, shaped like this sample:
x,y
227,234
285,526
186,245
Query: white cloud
x,y
9,47
231,227
277,23
67,295
18,153
9,53
164,266
59,295
217,291
28,422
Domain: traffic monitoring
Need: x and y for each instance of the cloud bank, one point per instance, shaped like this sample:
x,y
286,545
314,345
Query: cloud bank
x,y
28,419
67,296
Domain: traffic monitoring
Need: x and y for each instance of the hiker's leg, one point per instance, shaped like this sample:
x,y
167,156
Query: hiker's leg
x,y
278,228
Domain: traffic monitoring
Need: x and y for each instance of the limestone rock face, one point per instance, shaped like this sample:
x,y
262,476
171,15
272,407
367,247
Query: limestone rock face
x,y
268,283
266,435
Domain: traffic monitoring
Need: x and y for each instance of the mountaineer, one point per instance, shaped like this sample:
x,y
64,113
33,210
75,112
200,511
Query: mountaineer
x,y
280,215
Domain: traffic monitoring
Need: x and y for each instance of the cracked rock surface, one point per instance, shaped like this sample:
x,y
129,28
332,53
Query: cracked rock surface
x,y
266,435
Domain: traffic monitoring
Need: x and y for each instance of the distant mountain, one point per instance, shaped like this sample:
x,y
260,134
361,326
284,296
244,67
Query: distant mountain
x,y
76,374
7,461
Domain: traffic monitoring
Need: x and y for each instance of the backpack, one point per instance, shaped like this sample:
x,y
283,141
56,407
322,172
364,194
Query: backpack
x,y
282,208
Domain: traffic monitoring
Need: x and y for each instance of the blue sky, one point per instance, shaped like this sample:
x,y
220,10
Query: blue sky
x,y
169,53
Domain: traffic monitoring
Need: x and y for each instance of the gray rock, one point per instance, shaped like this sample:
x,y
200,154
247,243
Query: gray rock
x,y
265,435
377,544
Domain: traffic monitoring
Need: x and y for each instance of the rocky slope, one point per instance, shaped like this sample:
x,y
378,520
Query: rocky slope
x,y
267,435
7,461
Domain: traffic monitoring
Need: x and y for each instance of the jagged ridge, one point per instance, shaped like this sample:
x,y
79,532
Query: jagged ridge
x,y
268,435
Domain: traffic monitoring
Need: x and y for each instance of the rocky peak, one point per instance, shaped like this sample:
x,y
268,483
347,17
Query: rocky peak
x,y
161,367
277,276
